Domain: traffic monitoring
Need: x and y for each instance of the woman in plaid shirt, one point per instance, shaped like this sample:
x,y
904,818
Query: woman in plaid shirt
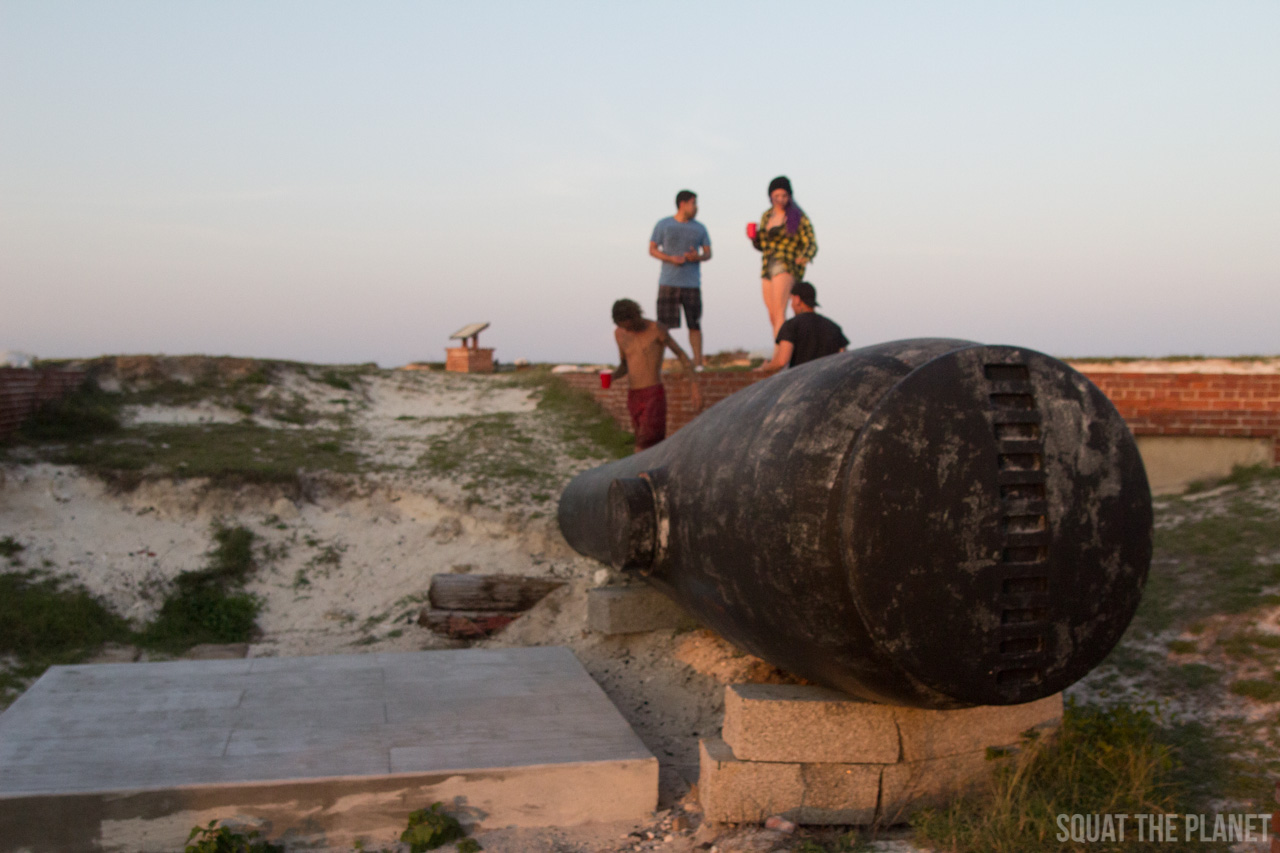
x,y
785,237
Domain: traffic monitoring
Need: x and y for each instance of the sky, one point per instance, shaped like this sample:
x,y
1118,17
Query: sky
x,y
345,182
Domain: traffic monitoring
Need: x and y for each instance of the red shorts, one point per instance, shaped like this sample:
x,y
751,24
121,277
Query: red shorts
x,y
648,410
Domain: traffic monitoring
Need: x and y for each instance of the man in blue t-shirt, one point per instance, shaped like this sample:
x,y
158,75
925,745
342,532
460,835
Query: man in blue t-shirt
x,y
682,245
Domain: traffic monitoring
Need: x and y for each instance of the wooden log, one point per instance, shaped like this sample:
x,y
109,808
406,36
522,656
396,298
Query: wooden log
x,y
466,624
488,592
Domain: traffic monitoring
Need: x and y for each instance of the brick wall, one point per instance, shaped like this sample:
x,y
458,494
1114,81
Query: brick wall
x,y
715,385
23,390
1235,405
468,360
1242,405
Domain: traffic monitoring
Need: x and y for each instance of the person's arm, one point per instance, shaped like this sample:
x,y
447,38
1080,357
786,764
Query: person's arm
x,y
671,259
781,356
703,253
695,392
622,364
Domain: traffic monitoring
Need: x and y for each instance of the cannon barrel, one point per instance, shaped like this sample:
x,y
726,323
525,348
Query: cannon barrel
x,y
935,523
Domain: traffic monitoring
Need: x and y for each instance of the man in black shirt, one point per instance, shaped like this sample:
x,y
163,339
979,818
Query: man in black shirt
x,y
807,335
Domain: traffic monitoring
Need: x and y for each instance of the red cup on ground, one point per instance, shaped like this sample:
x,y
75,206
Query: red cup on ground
x,y
751,230
606,378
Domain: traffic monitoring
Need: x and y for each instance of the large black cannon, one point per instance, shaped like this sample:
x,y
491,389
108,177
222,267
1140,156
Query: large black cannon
x,y
930,522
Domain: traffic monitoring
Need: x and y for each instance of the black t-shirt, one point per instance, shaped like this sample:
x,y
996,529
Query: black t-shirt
x,y
813,336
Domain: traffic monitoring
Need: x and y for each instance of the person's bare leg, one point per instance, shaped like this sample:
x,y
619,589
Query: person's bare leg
x,y
695,344
777,291
767,288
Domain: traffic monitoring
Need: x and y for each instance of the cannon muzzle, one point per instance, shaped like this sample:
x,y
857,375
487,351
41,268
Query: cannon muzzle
x,y
932,522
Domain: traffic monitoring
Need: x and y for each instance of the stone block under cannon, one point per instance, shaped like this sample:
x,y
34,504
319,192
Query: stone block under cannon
x,y
933,523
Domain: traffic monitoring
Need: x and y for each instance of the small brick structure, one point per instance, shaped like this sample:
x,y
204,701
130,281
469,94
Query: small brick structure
x,y
24,389
815,756
1171,403
469,358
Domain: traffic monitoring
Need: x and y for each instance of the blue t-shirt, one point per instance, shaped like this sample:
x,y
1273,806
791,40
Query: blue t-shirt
x,y
675,238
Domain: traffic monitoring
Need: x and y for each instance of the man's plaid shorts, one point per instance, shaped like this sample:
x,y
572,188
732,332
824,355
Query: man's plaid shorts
x,y
669,301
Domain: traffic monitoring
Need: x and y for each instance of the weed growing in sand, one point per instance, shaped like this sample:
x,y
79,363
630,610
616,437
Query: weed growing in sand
x,y
10,548
45,621
430,828
206,839
209,605
1102,761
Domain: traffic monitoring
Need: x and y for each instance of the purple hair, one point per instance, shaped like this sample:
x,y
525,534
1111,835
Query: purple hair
x,y
793,216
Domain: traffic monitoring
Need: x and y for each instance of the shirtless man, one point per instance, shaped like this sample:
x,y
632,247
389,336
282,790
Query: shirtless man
x,y
641,343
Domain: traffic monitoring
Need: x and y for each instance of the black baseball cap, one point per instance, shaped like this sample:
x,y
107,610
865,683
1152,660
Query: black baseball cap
x,y
807,294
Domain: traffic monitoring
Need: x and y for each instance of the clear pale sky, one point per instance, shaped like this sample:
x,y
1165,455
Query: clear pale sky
x,y
349,182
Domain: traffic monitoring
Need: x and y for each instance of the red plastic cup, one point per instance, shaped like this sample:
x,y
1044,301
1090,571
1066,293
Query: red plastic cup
x,y
751,230
606,378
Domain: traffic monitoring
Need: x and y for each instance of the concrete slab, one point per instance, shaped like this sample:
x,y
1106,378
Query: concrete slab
x,y
321,750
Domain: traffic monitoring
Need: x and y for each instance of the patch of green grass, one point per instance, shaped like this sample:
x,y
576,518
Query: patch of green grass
x,y
1190,676
1103,761
1248,475
80,415
292,410
42,617
209,605
1182,647
45,621
1263,691
484,451
334,380
582,419
1251,644
227,454
1209,566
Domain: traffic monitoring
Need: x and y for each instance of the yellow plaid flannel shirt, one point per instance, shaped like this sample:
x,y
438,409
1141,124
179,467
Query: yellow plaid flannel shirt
x,y
777,244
